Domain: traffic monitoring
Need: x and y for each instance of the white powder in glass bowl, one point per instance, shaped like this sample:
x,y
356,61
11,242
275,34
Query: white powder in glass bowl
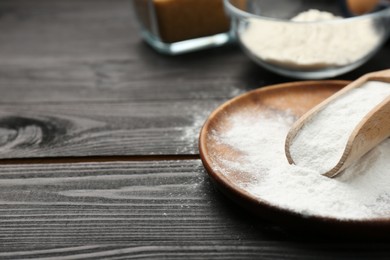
x,y
307,44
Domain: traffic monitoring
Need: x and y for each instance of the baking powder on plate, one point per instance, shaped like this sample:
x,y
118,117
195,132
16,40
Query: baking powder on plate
x,y
362,191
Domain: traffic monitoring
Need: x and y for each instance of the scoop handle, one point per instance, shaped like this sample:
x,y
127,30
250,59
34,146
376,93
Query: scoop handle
x,y
372,130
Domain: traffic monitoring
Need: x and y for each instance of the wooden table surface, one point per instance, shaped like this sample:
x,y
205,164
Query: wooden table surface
x,y
98,144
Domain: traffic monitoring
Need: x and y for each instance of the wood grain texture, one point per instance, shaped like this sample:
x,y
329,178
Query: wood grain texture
x,y
76,80
89,129
91,51
138,210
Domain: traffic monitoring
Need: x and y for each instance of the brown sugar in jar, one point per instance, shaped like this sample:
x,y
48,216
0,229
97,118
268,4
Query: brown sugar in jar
x,y
185,19
166,22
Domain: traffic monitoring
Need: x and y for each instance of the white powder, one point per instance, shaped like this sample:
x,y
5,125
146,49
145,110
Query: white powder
x,y
361,192
314,15
306,44
320,144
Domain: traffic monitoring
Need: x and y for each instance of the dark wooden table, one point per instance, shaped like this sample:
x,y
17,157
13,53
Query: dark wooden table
x,y
98,144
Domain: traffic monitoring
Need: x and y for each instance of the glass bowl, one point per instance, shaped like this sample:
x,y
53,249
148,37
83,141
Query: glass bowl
x,y
307,39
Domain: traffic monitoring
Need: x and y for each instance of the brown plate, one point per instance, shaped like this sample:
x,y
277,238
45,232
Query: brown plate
x,y
295,98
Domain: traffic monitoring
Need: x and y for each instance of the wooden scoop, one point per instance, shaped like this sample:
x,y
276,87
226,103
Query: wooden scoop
x,y
373,129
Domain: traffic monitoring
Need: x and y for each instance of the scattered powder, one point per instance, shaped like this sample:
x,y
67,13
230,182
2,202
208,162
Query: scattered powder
x,y
306,44
189,134
361,192
320,144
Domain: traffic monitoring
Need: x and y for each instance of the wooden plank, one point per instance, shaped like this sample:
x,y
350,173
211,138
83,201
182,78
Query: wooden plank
x,y
101,129
76,80
39,81
56,51
140,209
138,203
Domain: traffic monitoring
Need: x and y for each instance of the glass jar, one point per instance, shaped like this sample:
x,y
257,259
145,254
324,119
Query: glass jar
x,y
180,26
